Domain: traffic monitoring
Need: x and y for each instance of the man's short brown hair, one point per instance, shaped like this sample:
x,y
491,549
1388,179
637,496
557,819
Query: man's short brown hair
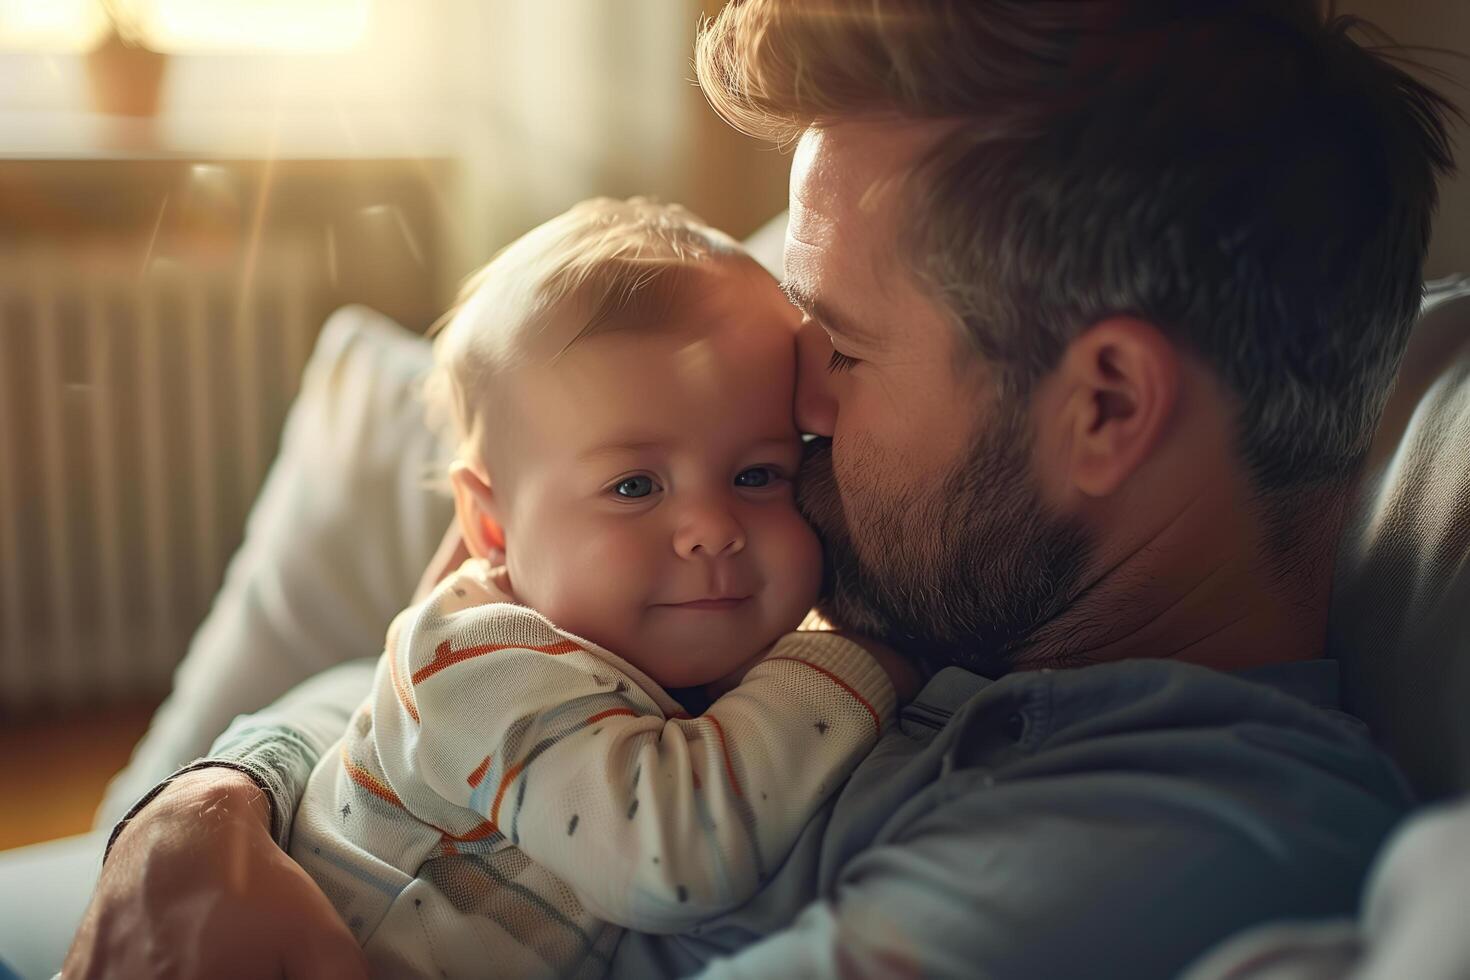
x,y
1242,173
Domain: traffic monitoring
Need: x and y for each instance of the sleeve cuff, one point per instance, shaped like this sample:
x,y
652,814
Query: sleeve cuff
x,y
276,759
846,663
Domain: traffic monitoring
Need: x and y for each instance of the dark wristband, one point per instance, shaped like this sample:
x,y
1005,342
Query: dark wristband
x,y
191,767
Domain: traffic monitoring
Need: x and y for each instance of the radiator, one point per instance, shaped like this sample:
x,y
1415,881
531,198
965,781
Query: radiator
x,y
140,405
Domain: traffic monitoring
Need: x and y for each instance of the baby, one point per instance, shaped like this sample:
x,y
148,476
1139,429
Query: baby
x,y
520,785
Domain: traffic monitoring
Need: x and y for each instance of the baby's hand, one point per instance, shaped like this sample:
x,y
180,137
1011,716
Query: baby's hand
x,y
901,673
497,581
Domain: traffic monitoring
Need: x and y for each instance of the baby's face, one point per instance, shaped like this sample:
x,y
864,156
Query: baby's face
x,y
647,496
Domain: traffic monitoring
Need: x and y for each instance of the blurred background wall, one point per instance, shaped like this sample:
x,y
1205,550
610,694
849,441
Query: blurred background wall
x,y
188,187
1442,25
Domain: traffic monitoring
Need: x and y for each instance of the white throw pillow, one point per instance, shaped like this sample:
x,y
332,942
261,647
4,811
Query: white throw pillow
x,y
334,545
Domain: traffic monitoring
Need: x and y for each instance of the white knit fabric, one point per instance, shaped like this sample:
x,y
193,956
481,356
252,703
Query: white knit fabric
x,y
510,794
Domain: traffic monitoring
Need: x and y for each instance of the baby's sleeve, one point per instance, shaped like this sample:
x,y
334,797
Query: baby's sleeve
x,y
502,727
472,691
658,824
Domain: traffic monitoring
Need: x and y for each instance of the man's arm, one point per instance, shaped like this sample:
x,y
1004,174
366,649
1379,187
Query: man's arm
x,y
279,747
211,838
194,883
196,887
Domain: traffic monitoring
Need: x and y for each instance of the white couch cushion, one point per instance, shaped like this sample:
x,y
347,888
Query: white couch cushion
x,y
343,527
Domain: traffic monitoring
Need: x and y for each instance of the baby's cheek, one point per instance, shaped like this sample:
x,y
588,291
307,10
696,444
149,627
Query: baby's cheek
x,y
799,568
594,590
577,606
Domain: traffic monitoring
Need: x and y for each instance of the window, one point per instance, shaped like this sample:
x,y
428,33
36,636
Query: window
x,y
187,26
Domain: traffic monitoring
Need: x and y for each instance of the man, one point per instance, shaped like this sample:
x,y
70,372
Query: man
x,y
1103,302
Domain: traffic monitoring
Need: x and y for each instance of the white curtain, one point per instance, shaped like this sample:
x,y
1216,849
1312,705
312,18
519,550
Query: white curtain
x,y
541,101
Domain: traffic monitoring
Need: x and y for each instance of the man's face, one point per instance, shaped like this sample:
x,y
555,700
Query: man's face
x,y
921,488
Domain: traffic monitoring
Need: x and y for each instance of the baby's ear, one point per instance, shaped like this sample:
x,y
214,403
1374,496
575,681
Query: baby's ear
x,y
474,508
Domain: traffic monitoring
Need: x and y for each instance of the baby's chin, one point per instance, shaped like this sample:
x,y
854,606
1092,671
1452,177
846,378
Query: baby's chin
x,y
678,679
682,666
676,656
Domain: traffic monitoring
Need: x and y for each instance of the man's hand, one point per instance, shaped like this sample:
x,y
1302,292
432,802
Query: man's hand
x,y
196,887
500,588
452,553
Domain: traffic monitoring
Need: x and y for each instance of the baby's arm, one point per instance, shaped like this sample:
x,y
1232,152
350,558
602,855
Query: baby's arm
x,y
656,821
659,823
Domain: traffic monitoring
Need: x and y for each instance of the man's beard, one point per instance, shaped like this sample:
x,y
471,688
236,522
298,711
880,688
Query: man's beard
x,y
962,573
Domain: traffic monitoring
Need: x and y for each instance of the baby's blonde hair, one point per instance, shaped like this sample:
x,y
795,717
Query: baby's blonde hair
x,y
603,264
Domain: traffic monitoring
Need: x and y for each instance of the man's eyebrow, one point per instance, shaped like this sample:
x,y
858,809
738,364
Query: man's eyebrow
x,y
829,318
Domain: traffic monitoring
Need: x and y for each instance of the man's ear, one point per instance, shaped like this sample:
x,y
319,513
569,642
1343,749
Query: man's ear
x,y
1121,384
474,508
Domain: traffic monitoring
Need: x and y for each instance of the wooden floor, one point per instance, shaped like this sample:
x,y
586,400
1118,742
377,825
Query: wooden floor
x,y
55,769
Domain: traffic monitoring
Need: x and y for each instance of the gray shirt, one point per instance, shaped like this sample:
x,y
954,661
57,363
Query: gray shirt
x,y
1114,820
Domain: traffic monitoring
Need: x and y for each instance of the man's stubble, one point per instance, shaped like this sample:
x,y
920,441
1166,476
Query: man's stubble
x,y
961,573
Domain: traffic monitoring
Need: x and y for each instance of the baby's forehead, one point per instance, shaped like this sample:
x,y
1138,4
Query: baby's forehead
x,y
691,300
717,380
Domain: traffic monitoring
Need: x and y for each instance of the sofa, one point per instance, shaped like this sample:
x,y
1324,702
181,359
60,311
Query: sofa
x,y
349,516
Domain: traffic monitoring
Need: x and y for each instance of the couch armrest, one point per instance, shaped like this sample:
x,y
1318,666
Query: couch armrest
x,y
44,889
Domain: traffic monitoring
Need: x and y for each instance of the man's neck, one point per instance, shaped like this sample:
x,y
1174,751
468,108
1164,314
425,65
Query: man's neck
x,y
1196,590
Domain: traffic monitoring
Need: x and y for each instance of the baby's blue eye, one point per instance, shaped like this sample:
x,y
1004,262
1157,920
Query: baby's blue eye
x,y
756,476
634,487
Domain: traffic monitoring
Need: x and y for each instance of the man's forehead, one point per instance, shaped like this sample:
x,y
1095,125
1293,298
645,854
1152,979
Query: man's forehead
x,y
845,207
854,169
822,249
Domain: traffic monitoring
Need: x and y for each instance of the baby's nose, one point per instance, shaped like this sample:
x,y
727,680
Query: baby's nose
x,y
709,532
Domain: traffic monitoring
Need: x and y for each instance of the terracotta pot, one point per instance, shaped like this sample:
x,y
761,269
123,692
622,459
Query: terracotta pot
x,y
126,79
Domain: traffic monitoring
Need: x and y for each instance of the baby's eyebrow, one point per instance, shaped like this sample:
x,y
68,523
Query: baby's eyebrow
x,y
828,318
620,446
771,443
774,443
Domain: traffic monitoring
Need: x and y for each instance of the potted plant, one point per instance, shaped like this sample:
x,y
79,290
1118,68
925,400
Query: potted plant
x,y
126,75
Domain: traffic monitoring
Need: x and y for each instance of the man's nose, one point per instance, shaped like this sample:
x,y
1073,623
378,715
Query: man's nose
x,y
709,530
816,410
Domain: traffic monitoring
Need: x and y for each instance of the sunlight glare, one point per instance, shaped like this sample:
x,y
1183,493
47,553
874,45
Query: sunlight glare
x,y
271,25
379,214
332,254
315,26
153,238
217,183
51,25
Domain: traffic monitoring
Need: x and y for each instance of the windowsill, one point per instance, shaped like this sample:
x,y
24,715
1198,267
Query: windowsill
x,y
236,135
